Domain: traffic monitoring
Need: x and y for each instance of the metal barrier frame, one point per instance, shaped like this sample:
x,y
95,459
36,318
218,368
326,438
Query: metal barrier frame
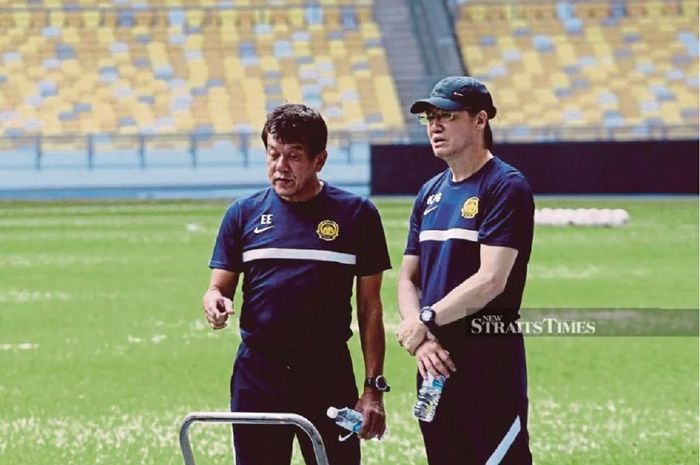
x,y
251,418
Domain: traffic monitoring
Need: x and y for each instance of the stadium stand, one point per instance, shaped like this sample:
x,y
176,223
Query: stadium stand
x,y
580,64
167,97
170,66
201,67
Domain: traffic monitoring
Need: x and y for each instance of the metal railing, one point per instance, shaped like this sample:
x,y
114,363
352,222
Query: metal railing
x,y
251,419
145,150
142,150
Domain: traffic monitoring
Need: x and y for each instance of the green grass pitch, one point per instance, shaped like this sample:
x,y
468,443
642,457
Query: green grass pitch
x,y
103,346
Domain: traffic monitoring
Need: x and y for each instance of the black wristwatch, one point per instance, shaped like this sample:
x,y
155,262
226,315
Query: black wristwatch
x,y
427,317
378,383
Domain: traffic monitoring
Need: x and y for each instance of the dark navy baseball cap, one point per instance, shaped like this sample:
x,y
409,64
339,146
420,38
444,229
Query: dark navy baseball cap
x,y
456,93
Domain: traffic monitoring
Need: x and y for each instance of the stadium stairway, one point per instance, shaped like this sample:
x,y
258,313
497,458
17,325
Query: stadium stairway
x,y
401,46
420,49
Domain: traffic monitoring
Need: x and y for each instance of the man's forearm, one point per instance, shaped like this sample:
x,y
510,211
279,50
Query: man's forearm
x,y
467,298
369,316
224,282
408,298
372,340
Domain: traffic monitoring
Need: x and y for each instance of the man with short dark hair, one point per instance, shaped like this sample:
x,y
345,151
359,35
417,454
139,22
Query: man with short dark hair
x,y
300,244
469,243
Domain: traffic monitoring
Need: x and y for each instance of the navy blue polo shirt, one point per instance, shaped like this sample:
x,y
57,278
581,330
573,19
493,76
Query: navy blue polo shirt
x,y
450,221
299,261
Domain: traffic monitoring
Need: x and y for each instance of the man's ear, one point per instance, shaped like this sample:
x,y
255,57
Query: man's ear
x,y
482,118
320,160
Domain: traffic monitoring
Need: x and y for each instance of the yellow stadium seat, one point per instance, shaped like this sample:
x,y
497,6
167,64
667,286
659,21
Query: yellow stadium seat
x,y
195,17
22,19
56,18
364,15
36,73
296,18
689,9
532,63
637,9
90,19
592,10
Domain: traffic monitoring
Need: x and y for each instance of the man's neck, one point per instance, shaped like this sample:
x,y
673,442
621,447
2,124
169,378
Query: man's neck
x,y
464,165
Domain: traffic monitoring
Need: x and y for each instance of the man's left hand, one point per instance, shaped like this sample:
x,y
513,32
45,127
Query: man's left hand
x,y
411,333
371,406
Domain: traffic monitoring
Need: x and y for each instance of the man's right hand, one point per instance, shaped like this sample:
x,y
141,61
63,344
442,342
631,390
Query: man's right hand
x,y
217,308
431,357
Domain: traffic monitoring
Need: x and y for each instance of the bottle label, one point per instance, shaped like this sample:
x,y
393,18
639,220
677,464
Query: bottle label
x,y
348,419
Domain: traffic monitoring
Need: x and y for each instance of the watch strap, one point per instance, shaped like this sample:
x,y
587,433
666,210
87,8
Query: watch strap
x,y
371,382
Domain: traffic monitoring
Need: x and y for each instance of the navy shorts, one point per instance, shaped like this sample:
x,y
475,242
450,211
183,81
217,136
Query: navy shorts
x,y
482,413
262,382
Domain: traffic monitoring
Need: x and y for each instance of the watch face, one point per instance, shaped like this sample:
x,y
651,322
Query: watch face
x,y
425,315
381,383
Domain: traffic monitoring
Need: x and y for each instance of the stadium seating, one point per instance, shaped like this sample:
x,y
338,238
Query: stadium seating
x,y
217,66
195,66
610,64
145,4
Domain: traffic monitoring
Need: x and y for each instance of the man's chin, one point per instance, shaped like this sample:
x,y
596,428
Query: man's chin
x,y
283,190
441,152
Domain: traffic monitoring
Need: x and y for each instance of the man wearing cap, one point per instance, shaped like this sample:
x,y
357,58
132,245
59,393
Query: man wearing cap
x,y
461,283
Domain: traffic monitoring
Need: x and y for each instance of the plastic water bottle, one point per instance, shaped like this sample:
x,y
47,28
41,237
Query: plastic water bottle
x,y
346,418
428,397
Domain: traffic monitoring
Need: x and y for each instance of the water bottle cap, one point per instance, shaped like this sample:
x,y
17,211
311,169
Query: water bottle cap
x,y
332,412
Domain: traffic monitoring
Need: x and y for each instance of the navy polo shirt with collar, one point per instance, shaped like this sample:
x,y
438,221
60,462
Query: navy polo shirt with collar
x,y
450,221
299,261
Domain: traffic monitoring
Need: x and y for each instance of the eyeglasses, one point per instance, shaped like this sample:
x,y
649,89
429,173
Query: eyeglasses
x,y
440,116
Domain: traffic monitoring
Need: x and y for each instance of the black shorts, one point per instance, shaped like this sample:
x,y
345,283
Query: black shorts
x,y
481,417
262,382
